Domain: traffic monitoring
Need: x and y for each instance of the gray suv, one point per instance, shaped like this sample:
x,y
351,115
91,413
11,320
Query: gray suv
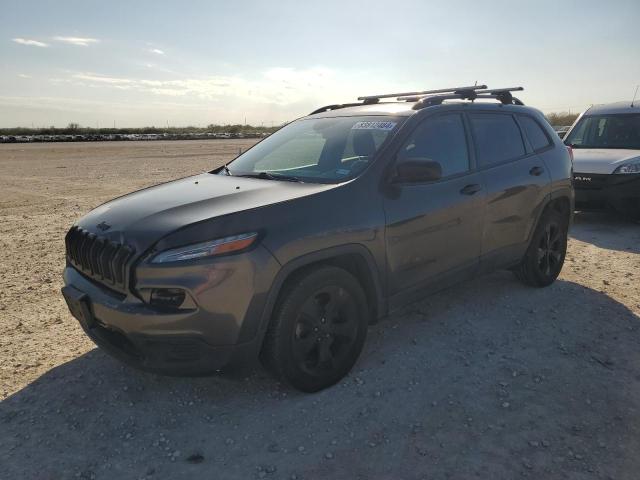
x,y
290,251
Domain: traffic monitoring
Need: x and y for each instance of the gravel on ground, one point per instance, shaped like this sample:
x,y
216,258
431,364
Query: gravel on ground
x,y
489,379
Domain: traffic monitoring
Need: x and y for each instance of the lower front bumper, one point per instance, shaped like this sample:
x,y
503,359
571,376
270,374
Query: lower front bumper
x,y
169,355
218,331
618,191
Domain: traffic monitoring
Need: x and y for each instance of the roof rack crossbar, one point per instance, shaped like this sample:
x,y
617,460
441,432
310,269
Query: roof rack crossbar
x,y
500,90
424,92
483,90
466,94
503,95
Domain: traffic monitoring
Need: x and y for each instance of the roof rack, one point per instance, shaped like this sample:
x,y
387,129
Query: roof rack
x,y
503,95
427,98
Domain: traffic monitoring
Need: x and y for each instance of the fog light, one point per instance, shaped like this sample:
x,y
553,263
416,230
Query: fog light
x,y
167,297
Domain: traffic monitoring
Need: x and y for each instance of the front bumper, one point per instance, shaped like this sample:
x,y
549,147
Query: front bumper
x,y
598,191
220,330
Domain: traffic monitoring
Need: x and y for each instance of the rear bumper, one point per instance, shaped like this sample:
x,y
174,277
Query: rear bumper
x,y
597,191
218,330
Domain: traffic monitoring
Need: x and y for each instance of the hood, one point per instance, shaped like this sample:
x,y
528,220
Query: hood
x,y
141,218
601,160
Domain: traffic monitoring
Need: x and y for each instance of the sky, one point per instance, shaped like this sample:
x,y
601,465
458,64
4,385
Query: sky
x,y
178,63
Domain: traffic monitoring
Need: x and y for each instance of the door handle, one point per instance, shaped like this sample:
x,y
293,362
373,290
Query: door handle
x,y
536,171
471,189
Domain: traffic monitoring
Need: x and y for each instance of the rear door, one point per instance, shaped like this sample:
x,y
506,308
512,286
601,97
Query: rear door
x,y
516,180
435,227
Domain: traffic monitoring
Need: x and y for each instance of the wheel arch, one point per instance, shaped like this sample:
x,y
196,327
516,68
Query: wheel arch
x,y
559,202
354,258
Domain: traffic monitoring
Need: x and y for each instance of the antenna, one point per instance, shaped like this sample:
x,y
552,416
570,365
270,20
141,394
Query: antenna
x,y
634,95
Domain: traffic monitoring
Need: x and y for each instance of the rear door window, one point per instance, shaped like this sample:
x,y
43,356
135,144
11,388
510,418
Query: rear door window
x,y
497,137
532,129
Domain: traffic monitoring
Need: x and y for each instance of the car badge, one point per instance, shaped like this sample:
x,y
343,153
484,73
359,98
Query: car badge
x,y
103,226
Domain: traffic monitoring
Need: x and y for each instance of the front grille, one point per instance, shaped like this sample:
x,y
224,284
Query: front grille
x,y
98,258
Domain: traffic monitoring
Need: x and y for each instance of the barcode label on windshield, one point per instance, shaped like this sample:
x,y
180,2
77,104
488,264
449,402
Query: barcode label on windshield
x,y
374,126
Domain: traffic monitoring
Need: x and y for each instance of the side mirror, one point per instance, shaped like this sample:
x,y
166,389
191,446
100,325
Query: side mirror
x,y
417,169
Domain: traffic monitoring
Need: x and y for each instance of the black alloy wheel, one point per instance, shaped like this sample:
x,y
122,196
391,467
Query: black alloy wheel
x,y
550,249
544,258
318,328
326,328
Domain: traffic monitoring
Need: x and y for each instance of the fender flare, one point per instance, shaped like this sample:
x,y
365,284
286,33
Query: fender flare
x,y
550,198
309,259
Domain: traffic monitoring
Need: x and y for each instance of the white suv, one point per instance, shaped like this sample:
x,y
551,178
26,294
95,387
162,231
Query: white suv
x,y
606,146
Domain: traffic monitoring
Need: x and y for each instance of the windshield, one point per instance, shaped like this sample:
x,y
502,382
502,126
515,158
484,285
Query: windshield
x,y
320,150
606,131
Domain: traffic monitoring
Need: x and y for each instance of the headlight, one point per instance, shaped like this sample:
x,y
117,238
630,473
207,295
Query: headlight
x,y
220,246
631,167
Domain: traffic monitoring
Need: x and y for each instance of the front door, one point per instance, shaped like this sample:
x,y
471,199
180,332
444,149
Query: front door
x,y
435,227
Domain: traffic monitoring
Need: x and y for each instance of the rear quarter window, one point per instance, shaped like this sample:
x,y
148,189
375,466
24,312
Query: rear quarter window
x,y
497,138
534,132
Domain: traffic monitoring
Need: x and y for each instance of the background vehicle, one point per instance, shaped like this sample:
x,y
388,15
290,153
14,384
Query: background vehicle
x,y
606,156
562,130
289,251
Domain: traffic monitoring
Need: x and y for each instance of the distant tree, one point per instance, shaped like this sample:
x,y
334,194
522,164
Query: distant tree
x,y
75,128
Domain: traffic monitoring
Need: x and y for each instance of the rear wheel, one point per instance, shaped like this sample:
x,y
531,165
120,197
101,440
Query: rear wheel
x,y
544,258
318,329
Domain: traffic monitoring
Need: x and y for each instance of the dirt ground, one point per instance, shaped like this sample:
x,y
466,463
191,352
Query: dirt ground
x,y
489,379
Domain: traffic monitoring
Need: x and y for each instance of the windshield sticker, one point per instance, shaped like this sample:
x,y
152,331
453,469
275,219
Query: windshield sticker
x,y
374,126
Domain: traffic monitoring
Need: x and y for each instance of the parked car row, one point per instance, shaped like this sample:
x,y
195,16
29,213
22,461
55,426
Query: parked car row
x,y
128,136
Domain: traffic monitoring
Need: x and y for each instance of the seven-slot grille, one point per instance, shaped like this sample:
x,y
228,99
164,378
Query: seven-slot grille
x,y
101,259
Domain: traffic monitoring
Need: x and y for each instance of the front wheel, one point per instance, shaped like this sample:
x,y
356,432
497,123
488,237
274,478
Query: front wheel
x,y
318,329
544,258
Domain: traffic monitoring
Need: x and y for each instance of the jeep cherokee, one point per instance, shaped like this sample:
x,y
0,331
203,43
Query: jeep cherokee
x,y
288,252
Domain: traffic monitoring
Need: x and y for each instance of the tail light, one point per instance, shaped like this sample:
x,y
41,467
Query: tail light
x,y
570,150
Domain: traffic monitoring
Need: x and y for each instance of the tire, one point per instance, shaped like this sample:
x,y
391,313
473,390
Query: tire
x,y
544,258
318,329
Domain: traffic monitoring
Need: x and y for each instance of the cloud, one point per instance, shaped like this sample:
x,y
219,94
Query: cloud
x,y
80,41
102,79
157,51
280,86
24,75
32,43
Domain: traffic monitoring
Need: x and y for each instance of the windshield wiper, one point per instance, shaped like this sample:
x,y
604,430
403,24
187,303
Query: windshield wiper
x,y
271,176
226,170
